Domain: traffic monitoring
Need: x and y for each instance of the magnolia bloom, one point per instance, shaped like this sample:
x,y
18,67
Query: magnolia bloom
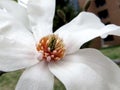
x,y
27,41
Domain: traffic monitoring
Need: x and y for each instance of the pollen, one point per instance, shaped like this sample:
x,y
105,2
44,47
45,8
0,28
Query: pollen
x,y
51,47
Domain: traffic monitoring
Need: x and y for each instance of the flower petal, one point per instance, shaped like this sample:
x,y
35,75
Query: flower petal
x,y
37,77
90,69
110,30
15,10
41,14
14,55
11,28
102,65
85,27
23,2
77,76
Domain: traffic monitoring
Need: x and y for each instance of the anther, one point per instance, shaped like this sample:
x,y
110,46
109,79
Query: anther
x,y
54,51
51,47
48,59
57,58
42,41
52,56
47,42
46,54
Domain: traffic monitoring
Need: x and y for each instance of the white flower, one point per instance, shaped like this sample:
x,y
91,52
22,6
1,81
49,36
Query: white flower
x,y
27,41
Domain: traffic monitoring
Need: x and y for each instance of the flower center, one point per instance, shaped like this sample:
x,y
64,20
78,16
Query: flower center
x,y
51,48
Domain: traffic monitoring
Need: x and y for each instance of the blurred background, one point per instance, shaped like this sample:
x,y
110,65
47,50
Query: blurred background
x,y
109,13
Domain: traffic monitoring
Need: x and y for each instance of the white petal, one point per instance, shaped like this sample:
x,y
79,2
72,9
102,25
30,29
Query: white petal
x,y
14,55
110,29
11,28
85,27
101,65
41,14
15,10
37,77
23,2
77,76
108,70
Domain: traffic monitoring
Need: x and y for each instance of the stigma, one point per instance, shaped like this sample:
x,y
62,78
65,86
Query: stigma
x,y
51,48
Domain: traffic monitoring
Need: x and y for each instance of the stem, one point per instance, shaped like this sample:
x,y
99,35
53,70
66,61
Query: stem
x,y
87,4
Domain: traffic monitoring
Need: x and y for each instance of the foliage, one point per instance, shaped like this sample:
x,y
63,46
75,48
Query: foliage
x,y
16,0
64,13
112,52
8,81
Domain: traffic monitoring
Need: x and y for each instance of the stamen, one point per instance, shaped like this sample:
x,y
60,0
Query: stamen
x,y
54,51
57,58
42,41
51,47
42,48
46,54
47,41
52,56
40,56
48,59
